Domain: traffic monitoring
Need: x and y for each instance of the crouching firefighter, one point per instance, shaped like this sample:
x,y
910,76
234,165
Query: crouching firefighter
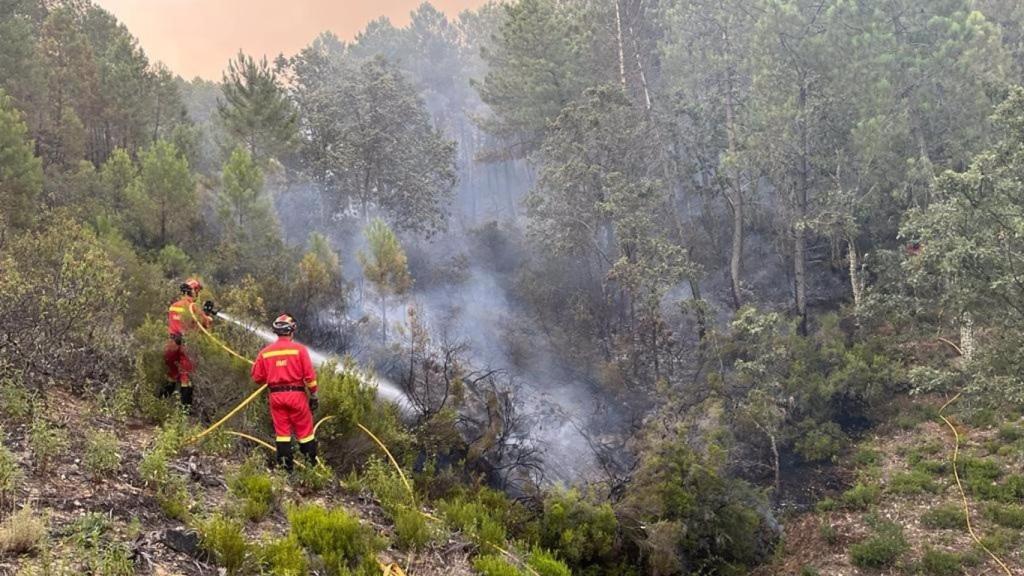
x,y
286,369
181,320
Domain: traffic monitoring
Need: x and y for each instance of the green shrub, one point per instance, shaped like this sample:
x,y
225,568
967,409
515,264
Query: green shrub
x,y
1006,515
253,489
820,442
582,532
224,539
102,455
476,521
16,402
826,505
283,557
935,468
913,482
382,480
1010,432
46,442
11,477
809,571
979,477
545,564
345,546
174,499
314,478
866,456
861,496
1001,540
880,550
828,533
945,517
118,402
153,468
114,559
491,565
412,529
939,563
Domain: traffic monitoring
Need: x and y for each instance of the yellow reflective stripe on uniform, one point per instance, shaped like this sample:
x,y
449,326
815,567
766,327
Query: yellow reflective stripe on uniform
x,y
283,439
307,439
275,353
311,384
177,309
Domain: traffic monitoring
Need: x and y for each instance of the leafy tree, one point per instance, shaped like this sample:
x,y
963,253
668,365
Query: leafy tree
x,y
163,198
369,140
255,111
242,195
21,174
385,266
319,284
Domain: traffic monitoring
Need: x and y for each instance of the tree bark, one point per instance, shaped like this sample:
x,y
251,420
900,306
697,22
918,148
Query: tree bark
x,y
967,336
622,56
735,198
856,279
799,233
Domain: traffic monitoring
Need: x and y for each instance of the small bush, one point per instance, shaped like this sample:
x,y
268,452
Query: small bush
x,y
809,571
314,478
283,557
46,442
21,533
174,499
495,566
102,456
474,520
1001,540
412,529
945,517
15,400
254,490
545,564
344,545
581,531
820,442
861,497
935,468
913,482
829,533
223,538
11,477
826,505
979,477
866,456
119,402
939,563
1010,433
1006,515
880,550
154,469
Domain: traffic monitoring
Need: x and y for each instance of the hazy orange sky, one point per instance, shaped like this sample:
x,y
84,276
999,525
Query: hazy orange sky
x,y
198,37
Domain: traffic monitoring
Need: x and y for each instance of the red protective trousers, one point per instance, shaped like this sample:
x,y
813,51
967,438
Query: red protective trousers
x,y
291,415
178,364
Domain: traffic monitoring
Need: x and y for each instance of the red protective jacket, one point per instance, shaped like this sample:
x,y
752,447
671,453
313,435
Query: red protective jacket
x,y
284,363
286,368
179,319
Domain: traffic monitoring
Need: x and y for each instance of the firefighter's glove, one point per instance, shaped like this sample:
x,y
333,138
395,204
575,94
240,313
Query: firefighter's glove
x,y
209,309
314,402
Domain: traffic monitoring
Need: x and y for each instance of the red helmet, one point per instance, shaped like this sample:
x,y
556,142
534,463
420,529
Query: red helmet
x,y
191,287
284,325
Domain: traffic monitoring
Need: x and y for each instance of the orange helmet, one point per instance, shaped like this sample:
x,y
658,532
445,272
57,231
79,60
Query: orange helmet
x,y
284,325
191,287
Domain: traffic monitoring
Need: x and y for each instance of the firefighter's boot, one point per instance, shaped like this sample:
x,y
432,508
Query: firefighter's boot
x,y
308,450
168,389
284,455
186,398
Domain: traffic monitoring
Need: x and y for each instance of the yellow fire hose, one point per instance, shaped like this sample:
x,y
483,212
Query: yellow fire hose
x,y
956,473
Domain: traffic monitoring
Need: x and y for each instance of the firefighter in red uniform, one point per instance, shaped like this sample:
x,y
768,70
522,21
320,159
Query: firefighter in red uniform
x,y
286,369
180,322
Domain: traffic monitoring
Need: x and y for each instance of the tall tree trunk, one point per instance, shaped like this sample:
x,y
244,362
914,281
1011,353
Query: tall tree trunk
x,y
735,198
856,279
799,226
383,320
622,54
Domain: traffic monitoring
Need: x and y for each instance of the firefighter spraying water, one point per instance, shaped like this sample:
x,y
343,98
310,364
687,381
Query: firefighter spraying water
x,y
181,319
287,370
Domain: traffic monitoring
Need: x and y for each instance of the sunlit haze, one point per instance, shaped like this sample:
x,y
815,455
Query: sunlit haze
x,y
198,37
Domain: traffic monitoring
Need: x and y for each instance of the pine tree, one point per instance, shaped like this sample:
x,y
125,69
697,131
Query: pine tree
x,y
21,174
385,266
255,110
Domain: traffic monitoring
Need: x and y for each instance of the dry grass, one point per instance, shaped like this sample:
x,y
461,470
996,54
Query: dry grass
x,y
21,533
